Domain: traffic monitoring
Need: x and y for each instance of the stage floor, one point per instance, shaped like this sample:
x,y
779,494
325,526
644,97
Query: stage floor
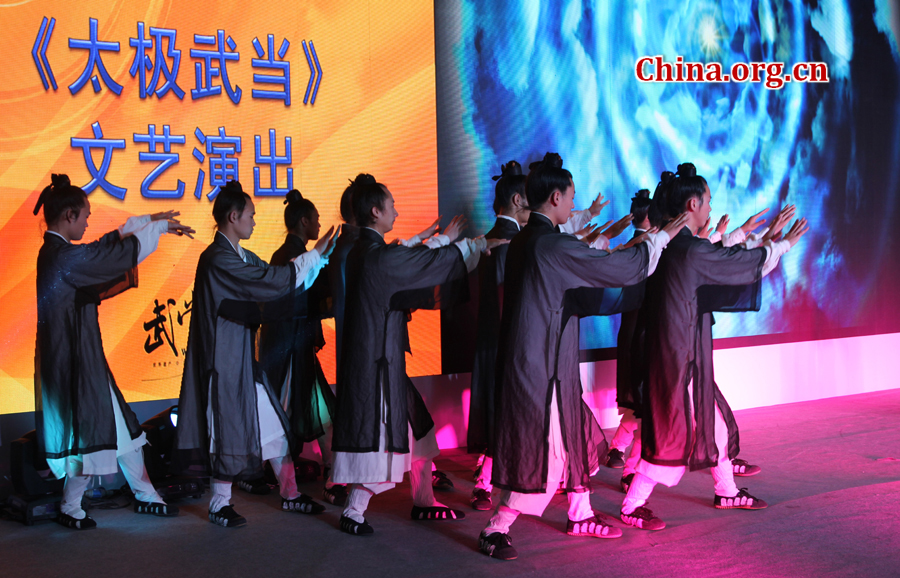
x,y
831,474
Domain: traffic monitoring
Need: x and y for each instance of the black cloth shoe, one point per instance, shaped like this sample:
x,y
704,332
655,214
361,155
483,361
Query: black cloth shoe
x,y
742,501
68,521
336,494
440,481
351,526
302,504
626,482
436,513
615,459
481,499
155,509
497,546
227,517
643,519
743,468
257,487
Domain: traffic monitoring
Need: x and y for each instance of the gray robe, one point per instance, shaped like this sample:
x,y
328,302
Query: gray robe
x,y
693,279
72,379
538,352
231,299
383,281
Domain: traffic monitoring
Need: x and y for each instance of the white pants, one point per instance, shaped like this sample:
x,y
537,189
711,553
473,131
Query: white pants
x,y
648,475
274,448
132,464
420,460
514,503
483,482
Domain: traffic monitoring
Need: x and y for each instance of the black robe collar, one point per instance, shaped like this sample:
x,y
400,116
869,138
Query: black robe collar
x,y
371,235
541,221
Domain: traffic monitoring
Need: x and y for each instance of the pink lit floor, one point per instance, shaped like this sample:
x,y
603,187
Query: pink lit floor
x,y
831,473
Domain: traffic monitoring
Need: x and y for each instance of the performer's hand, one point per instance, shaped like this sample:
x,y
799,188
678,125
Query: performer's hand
x,y
394,242
590,228
493,244
427,233
164,216
639,239
325,244
780,221
676,225
618,227
179,229
598,205
705,231
592,235
455,227
723,225
754,222
798,229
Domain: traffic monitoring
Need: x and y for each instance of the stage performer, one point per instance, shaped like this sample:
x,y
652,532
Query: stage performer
x,y
686,421
542,423
230,420
84,426
382,428
287,352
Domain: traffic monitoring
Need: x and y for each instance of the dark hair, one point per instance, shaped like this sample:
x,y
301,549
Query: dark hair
x,y
686,185
231,197
367,194
297,208
657,211
347,203
640,205
58,198
545,177
510,182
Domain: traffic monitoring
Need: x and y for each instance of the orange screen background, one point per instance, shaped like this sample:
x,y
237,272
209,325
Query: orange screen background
x,y
374,112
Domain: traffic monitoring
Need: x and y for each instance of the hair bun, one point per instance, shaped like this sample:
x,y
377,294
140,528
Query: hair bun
x,y
687,170
666,177
510,169
642,194
293,196
60,180
550,160
364,179
233,186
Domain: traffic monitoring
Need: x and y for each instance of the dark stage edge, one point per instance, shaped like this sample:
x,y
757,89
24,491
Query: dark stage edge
x,y
831,474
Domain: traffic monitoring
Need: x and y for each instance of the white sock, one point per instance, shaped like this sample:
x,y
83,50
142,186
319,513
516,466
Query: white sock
x,y
723,479
420,483
221,495
357,502
73,492
638,493
132,464
580,506
502,519
287,478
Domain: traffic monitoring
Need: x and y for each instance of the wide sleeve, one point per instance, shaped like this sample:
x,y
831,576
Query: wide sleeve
x,y
307,265
471,250
108,259
717,265
424,278
581,266
148,237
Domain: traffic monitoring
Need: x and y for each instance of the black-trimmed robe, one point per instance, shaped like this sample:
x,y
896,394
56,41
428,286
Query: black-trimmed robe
x,y
538,352
491,269
336,272
694,278
383,283
72,380
293,344
231,298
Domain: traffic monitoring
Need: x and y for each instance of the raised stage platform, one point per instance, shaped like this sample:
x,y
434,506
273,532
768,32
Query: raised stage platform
x,y
831,474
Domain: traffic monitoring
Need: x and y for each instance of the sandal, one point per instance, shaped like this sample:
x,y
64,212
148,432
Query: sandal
x,y
351,526
302,504
744,468
742,501
593,526
440,481
643,519
497,545
155,509
336,495
227,517
68,521
436,513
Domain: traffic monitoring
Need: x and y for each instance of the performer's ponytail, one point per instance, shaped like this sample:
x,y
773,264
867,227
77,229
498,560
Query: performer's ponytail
x,y
658,211
58,198
510,182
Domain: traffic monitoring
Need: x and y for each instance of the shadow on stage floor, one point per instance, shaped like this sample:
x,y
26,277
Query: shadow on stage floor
x,y
831,474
